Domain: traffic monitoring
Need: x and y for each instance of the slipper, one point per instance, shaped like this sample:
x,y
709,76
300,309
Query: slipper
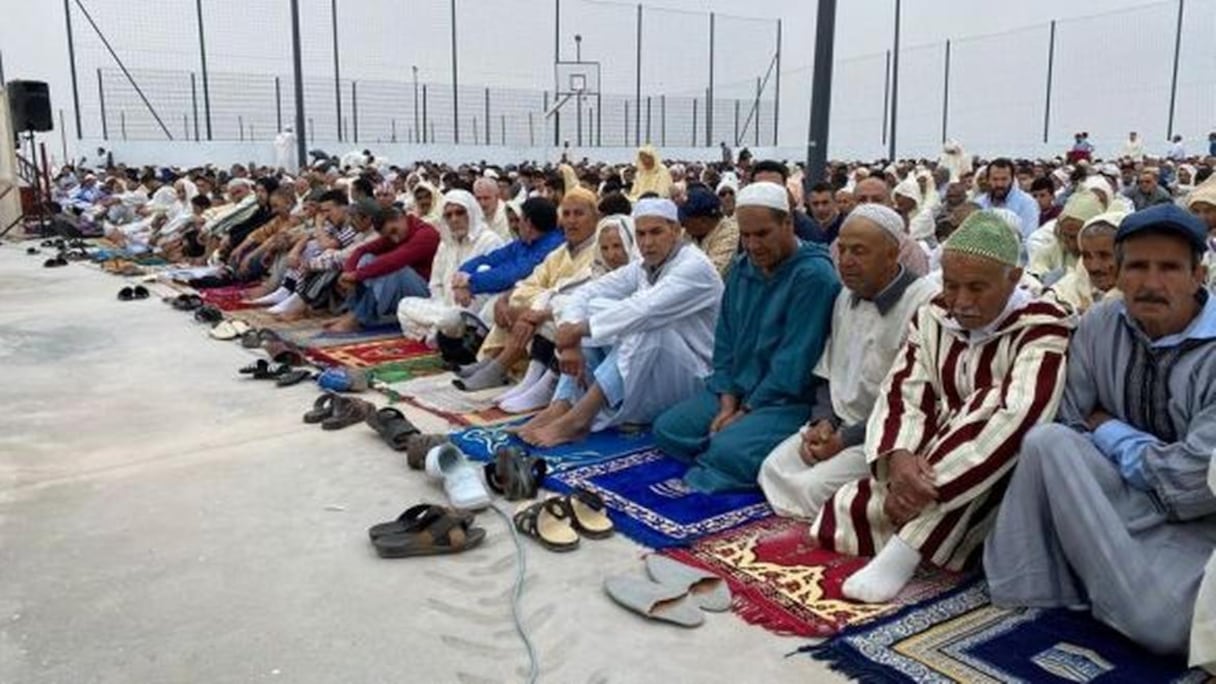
x,y
413,519
252,339
706,589
259,366
282,352
293,377
393,427
655,601
547,522
448,533
186,302
126,294
140,292
514,474
347,412
226,330
588,514
32,251
322,408
463,486
271,373
57,261
208,314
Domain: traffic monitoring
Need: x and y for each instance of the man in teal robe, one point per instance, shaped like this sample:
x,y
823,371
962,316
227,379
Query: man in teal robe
x,y
775,318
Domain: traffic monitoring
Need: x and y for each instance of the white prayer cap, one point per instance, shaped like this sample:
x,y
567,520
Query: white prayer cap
x,y
1109,169
883,217
240,182
909,188
1097,183
490,173
764,194
656,206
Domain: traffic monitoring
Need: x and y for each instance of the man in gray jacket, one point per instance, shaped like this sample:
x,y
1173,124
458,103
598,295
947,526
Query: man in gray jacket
x,y
1109,508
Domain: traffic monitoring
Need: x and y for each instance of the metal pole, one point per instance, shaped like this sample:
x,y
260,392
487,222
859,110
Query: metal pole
x,y
557,57
393,129
240,123
312,130
694,122
476,136
194,103
354,109
886,99
759,88
1051,61
424,128
298,78
531,132
663,120
627,122
416,121
278,104
455,81
488,116
637,78
946,94
67,14
101,99
709,98
599,120
202,54
777,89
185,126
821,99
502,129
648,138
894,87
1174,77
63,133
737,122
333,19
2,81
122,122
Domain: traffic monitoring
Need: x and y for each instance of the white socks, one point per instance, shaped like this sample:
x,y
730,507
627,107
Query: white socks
x,y
289,304
536,370
535,397
275,297
882,578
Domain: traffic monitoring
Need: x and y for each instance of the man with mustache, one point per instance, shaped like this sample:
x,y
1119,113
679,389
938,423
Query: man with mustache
x,y
984,361
1110,508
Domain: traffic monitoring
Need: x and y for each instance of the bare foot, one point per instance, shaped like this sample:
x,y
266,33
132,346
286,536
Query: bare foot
x,y
293,315
561,431
552,412
345,324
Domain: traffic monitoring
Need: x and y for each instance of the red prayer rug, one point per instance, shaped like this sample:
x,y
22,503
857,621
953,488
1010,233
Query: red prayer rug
x,y
368,354
226,298
784,583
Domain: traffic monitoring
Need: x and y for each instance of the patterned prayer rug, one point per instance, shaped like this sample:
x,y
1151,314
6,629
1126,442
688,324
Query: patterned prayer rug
x,y
649,502
368,354
226,298
437,395
785,584
385,374
480,443
961,637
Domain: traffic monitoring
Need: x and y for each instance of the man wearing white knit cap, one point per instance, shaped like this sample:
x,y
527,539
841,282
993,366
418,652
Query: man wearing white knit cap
x,y
637,339
771,330
869,324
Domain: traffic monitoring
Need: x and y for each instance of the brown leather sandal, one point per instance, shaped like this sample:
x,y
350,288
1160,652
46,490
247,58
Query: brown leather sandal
x,y
436,535
548,522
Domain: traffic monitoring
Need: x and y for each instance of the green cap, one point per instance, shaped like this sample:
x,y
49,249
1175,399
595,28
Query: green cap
x,y
986,234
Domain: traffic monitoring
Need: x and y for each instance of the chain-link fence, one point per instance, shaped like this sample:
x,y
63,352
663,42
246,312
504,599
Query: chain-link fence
x,y
223,70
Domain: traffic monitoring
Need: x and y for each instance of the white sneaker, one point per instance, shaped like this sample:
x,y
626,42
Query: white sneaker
x,y
461,480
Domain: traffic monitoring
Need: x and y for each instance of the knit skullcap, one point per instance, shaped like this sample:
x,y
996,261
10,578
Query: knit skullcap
x,y
985,234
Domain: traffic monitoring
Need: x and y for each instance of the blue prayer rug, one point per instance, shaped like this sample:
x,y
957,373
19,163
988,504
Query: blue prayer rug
x,y
649,502
480,443
962,637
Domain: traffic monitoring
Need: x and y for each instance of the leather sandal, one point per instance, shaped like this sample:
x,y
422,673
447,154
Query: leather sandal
x,y
514,474
436,535
322,408
548,522
393,427
413,519
588,514
347,412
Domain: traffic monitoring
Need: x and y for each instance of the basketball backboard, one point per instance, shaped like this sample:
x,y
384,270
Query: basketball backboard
x,y
577,78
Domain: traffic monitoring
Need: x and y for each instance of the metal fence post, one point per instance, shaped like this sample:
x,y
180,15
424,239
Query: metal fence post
x,y
2,81
736,122
278,103
648,138
312,130
333,19
101,99
709,98
488,116
1051,60
694,122
821,87
1174,77
663,120
424,123
202,54
627,122
63,131
354,109
67,13
393,124
455,81
122,122
946,94
240,124
185,126
894,87
476,135
194,103
531,132
599,120
637,79
502,129
298,81
557,57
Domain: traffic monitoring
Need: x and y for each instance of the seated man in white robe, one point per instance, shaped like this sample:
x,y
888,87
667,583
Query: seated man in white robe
x,y
1110,508
639,338
869,324
1092,279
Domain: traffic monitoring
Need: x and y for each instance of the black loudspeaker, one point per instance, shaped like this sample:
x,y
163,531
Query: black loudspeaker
x,y
30,104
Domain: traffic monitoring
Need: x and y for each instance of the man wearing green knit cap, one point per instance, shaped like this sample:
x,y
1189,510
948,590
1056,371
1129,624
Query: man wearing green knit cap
x,y
984,362
1053,248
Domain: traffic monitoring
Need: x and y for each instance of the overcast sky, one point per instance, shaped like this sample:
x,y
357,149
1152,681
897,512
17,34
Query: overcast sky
x,y
509,43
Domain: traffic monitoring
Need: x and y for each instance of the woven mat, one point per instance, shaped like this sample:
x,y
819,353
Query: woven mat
x,y
784,583
368,354
437,395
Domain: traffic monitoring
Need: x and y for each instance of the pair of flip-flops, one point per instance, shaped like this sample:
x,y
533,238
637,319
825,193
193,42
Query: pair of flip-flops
x,y
129,293
184,302
208,314
55,262
230,329
253,339
515,474
674,592
334,412
426,530
559,522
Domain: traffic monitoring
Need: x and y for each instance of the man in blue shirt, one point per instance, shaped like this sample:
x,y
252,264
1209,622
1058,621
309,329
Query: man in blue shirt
x,y
1003,193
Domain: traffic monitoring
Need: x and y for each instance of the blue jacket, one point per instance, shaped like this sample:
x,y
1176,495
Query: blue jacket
x,y
499,270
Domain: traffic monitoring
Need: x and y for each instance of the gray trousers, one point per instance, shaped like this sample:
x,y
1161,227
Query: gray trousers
x,y
1072,533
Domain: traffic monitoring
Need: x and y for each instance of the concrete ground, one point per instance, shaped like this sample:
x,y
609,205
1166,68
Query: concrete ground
x,y
163,521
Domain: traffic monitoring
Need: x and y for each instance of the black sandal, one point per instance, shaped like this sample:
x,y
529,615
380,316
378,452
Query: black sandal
x,y
413,519
347,412
208,314
548,522
437,535
140,292
126,294
57,261
322,408
588,514
259,366
514,474
271,373
393,427
293,377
